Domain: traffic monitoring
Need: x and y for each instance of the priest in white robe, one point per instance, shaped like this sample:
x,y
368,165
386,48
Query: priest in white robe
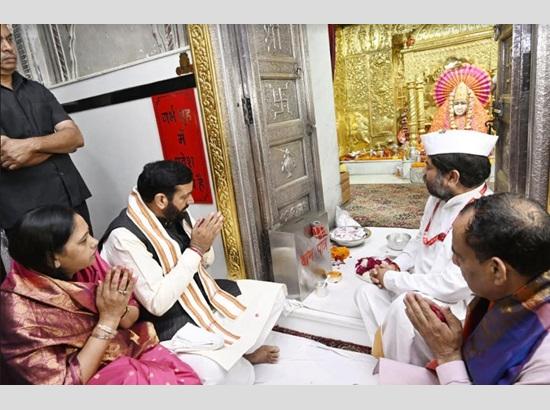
x,y
456,172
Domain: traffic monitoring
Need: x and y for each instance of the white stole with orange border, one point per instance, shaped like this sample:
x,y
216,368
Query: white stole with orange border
x,y
192,299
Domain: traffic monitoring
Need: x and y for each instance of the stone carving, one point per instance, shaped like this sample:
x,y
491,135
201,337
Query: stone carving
x,y
272,37
59,52
69,51
293,211
288,164
280,100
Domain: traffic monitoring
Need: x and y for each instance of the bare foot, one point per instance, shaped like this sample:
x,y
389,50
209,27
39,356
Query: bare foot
x,y
264,354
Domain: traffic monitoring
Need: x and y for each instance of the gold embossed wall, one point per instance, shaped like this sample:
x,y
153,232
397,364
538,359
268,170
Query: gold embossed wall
x,y
363,82
438,47
374,63
203,60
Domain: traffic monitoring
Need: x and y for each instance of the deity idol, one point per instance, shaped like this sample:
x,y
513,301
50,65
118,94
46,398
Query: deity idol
x,y
462,95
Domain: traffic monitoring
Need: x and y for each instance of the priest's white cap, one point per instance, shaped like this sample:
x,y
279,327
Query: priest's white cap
x,y
459,142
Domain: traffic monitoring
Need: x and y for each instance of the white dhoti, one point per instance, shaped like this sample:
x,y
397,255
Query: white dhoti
x,y
265,302
427,269
373,304
380,308
400,340
166,276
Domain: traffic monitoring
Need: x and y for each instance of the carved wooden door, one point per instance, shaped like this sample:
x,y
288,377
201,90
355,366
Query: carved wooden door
x,y
281,122
511,107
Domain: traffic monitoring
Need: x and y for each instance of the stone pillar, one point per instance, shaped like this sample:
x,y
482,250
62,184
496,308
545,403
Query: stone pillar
x,y
420,104
538,160
413,114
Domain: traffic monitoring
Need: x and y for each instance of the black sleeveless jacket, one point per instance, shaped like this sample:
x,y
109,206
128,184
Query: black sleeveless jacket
x,y
176,317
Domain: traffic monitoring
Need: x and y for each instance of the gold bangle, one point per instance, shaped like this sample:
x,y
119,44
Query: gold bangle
x,y
103,337
106,329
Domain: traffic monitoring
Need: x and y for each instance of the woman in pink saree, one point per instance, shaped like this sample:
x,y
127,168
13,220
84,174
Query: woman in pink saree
x,y
68,318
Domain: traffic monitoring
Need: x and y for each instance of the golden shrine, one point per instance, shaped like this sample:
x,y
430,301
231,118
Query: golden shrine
x,y
384,81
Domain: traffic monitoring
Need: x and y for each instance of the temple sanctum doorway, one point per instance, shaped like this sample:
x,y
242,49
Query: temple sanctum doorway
x,y
394,83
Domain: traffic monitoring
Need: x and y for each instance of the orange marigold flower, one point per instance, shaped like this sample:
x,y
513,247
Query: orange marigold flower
x,y
339,253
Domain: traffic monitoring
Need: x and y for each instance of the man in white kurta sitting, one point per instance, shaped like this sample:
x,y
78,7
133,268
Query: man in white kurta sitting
x,y
168,252
502,245
456,170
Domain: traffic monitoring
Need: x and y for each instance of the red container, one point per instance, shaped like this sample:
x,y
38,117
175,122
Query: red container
x,y
318,230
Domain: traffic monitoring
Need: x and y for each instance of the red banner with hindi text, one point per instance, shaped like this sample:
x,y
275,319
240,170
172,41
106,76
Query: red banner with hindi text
x,y
177,115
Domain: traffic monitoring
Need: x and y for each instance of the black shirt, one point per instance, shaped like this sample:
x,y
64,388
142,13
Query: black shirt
x,y
31,110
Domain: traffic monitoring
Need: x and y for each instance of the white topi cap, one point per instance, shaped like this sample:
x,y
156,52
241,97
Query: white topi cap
x,y
459,142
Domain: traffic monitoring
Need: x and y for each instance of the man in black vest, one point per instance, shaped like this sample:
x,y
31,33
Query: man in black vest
x,y
140,238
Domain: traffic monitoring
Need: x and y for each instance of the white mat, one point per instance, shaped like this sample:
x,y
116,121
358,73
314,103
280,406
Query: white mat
x,y
304,362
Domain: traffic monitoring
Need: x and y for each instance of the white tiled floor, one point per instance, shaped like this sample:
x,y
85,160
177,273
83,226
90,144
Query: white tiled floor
x,y
307,362
377,179
335,316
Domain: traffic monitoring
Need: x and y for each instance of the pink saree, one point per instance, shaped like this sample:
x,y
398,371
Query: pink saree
x,y
46,321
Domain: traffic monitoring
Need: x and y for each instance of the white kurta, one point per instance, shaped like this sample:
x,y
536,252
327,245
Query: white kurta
x,y
428,270
157,292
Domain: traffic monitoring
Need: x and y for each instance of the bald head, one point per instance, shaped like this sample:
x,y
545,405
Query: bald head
x,y
512,228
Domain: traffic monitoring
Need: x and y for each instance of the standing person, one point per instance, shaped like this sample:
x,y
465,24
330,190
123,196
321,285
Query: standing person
x,y
36,137
502,245
456,170
157,238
